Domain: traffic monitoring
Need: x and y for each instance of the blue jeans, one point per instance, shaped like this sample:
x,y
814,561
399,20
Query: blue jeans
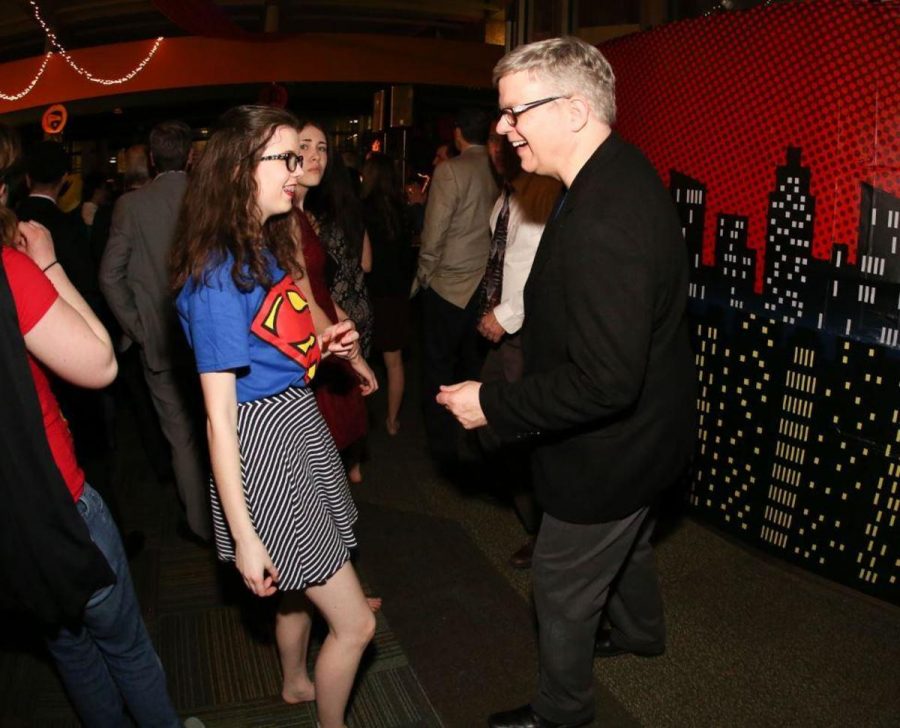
x,y
109,662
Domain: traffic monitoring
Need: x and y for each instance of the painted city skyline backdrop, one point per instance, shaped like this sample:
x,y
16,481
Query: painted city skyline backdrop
x,y
741,87
777,131
860,299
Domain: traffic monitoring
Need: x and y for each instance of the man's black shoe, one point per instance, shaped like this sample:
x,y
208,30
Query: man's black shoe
x,y
525,717
605,647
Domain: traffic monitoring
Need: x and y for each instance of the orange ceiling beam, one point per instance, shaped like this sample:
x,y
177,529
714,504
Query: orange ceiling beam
x,y
194,61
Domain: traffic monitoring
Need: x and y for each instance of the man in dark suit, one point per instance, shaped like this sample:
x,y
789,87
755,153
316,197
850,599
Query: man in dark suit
x,y
46,174
134,278
608,395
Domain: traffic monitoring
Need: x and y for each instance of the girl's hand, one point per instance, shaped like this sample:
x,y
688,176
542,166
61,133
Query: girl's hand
x,y
341,339
367,381
252,560
37,243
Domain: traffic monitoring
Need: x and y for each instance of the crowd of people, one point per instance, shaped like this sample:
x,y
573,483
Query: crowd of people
x,y
251,286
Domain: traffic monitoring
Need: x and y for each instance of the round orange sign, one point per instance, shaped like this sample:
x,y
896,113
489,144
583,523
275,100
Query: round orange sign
x,y
54,119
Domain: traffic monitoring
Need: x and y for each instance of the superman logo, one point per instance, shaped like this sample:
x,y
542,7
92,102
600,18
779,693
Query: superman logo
x,y
285,321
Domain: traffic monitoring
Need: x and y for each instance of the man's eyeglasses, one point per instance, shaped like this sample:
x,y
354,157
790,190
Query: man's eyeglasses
x,y
511,114
291,160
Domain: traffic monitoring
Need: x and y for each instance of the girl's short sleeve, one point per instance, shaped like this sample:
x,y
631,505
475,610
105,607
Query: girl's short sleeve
x,y
32,291
214,315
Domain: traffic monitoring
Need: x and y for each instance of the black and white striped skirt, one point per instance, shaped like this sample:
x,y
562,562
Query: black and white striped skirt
x,y
295,488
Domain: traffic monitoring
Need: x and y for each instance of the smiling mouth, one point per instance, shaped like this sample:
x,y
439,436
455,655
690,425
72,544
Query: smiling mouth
x,y
519,144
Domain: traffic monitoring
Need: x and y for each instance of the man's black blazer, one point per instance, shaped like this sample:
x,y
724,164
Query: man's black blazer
x,y
609,392
70,242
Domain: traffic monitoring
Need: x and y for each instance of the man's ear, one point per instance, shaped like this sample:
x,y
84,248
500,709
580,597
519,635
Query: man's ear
x,y
579,111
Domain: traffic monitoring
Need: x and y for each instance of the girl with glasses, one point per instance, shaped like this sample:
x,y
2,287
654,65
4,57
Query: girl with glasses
x,y
281,505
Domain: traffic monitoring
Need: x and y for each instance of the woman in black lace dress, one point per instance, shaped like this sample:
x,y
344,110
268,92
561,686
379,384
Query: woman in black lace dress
x,y
337,214
391,276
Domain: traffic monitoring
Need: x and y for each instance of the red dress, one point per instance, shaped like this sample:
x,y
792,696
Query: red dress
x,y
335,385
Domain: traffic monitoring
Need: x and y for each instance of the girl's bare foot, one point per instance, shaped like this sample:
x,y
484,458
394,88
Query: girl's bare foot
x,y
301,691
354,474
393,426
374,603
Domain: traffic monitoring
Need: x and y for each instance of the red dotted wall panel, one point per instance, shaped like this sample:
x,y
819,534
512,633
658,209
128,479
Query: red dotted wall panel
x,y
720,98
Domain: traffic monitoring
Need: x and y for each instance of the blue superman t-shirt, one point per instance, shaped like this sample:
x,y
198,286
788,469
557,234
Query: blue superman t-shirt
x,y
266,337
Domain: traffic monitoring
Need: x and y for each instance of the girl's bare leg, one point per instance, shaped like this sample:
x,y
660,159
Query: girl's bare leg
x,y
292,627
351,626
393,362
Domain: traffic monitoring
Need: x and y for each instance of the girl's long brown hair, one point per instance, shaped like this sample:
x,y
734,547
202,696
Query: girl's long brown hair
x,y
220,214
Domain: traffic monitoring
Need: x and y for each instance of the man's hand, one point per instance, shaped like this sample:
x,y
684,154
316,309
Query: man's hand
x,y
490,328
462,401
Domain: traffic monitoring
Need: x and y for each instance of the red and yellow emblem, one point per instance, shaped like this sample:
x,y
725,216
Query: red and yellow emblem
x,y
285,321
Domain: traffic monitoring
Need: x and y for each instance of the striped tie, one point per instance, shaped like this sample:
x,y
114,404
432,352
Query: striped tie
x,y
492,283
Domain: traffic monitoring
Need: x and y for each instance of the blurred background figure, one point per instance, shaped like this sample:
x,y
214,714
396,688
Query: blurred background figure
x,y
453,253
389,280
96,213
46,175
134,276
136,167
442,153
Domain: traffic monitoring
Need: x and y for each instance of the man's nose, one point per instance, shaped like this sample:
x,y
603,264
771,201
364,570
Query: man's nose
x,y
503,126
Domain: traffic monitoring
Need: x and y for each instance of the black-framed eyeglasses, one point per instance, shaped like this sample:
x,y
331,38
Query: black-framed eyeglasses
x,y
291,160
511,114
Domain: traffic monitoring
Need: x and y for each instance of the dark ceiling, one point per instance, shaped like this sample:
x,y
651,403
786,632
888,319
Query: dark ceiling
x,y
83,23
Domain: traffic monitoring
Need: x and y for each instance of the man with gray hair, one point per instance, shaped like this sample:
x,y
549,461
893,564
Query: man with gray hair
x,y
608,393
134,278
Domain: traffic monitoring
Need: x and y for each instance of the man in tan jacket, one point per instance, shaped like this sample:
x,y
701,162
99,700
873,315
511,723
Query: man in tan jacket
x,y
455,242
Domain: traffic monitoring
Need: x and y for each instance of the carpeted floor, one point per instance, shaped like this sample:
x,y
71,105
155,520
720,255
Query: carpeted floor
x,y
752,642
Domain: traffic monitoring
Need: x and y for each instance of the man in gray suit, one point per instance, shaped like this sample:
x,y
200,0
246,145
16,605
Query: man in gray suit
x,y
455,242
134,279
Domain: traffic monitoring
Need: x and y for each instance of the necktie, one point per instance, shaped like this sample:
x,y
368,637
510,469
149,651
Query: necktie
x,y
492,283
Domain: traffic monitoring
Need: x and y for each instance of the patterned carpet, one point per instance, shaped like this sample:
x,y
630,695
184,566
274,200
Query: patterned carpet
x,y
216,644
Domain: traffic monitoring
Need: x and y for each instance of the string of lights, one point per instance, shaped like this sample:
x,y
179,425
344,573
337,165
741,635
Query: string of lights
x,y
58,47
27,90
54,42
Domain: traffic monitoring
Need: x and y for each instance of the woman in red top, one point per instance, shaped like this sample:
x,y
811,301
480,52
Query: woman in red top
x,y
105,658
